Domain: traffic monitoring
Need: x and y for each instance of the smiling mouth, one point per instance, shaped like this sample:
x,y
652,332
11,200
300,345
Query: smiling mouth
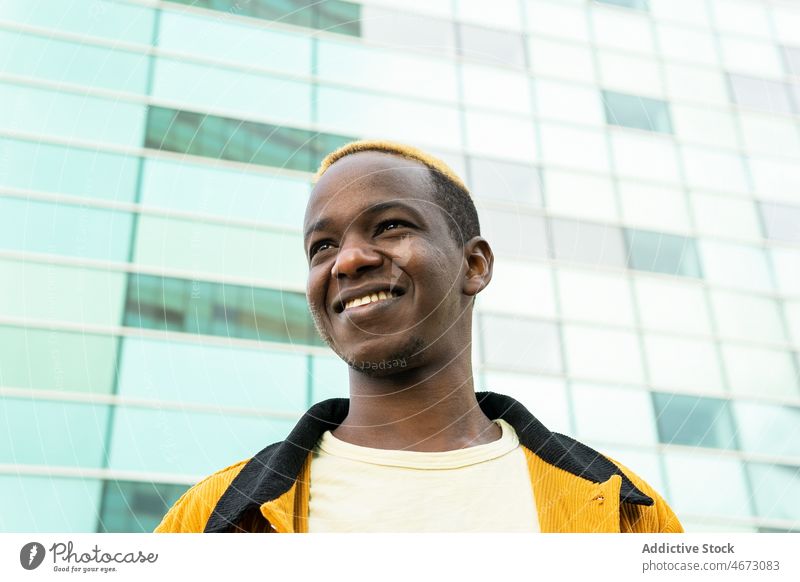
x,y
369,303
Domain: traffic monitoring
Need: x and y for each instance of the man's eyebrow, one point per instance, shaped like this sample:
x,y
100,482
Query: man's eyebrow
x,y
376,208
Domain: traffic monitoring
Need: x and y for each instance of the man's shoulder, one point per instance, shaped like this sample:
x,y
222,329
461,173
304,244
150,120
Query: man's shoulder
x,y
191,512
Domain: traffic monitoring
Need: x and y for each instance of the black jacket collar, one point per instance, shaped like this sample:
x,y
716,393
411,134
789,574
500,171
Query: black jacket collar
x,y
273,471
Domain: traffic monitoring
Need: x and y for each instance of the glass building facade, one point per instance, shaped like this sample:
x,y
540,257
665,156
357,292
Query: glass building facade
x,y
636,166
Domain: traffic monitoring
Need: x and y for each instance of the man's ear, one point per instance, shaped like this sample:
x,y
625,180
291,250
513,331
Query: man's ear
x,y
480,261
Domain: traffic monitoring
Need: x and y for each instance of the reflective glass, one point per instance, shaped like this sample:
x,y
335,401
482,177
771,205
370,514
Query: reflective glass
x,y
71,117
721,215
741,16
514,234
548,18
442,8
646,157
696,85
760,93
637,112
791,56
217,309
775,179
787,275
567,102
43,359
769,134
220,376
662,253
735,265
629,73
495,88
637,4
561,60
594,297
403,30
68,170
134,507
505,181
609,414
68,62
48,504
686,11
768,429
602,354
45,292
64,434
694,421
683,363
629,31
747,317
775,489
781,221
704,125
653,207
791,310
497,135
502,14
545,398
179,442
521,288
512,342
580,195
691,476
786,22
748,56
686,44
585,242
671,305
582,149
760,371
330,378
494,47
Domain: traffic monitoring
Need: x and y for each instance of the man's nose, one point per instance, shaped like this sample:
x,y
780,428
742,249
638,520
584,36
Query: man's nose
x,y
355,258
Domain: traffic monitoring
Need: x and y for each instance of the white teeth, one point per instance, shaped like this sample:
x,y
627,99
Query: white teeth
x,y
370,298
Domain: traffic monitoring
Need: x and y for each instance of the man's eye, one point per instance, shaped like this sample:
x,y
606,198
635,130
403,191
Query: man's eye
x,y
385,223
316,248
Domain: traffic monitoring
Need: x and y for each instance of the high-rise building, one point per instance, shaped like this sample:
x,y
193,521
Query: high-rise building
x,y
636,165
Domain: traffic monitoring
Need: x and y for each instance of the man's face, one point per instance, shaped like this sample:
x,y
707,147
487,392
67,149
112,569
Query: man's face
x,y
372,229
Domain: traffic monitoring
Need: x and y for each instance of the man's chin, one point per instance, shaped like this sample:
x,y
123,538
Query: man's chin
x,y
390,362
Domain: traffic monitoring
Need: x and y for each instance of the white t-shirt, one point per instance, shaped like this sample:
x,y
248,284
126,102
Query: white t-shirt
x,y
485,488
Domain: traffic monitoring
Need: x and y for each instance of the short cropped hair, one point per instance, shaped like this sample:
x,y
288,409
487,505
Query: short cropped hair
x,y
448,190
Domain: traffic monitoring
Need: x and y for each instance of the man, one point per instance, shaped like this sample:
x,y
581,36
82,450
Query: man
x,y
396,260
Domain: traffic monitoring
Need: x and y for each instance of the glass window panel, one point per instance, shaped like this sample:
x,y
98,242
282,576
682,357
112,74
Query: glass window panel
x,y
71,117
629,73
735,265
519,288
686,11
760,371
505,181
386,70
698,369
442,8
781,221
519,343
394,118
202,87
494,47
548,18
570,103
719,215
54,228
739,16
760,93
561,60
714,170
235,42
495,88
515,235
53,433
694,421
224,193
671,305
692,476
696,85
136,507
155,370
645,157
573,147
750,57
787,275
609,414
662,253
330,378
179,442
117,22
769,134
503,136
503,14
636,4
653,207
585,242
48,504
791,57
747,317
686,44
776,180
67,170
622,30
580,195
791,310
786,22
768,429
401,30
704,125
69,62
775,489
545,398
595,297
55,360
603,354
40,291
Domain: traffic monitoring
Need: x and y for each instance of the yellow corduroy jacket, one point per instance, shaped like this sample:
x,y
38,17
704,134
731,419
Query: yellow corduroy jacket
x,y
576,489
